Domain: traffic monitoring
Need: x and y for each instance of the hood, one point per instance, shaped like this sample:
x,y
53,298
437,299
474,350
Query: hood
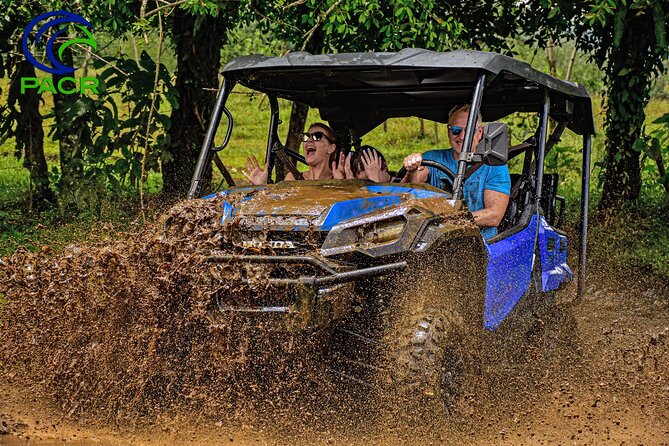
x,y
322,204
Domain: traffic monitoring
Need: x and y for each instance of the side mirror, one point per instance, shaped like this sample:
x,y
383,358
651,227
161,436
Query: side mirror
x,y
493,149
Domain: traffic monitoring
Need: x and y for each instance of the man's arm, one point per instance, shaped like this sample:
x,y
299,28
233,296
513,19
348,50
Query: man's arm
x,y
417,176
495,206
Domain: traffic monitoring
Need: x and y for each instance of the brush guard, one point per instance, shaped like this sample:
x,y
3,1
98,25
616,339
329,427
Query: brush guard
x,y
320,298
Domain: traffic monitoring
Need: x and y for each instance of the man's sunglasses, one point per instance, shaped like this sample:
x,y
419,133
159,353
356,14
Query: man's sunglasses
x,y
316,136
456,129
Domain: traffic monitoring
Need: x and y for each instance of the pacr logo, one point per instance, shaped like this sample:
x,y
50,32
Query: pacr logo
x,y
57,22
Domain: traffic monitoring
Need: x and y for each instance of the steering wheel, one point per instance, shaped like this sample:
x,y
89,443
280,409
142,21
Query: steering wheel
x,y
447,183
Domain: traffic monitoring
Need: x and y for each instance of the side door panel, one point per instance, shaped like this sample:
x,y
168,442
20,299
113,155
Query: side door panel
x,y
509,274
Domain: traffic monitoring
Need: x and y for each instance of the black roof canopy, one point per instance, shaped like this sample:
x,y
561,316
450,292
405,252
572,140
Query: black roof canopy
x,y
355,92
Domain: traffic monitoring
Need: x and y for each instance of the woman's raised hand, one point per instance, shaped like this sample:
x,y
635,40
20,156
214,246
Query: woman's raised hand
x,y
339,167
253,172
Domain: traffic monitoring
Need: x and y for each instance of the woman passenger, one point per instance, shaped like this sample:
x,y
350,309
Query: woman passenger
x,y
320,149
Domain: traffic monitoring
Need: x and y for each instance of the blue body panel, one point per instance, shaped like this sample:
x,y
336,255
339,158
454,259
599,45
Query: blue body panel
x,y
509,274
357,207
389,195
510,263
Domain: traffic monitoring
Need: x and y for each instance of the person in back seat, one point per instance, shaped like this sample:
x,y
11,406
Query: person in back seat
x,y
486,191
367,163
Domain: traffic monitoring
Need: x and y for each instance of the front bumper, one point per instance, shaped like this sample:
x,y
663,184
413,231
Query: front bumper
x,y
313,301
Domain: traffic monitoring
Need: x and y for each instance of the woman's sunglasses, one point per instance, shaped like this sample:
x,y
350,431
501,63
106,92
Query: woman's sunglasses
x,y
316,136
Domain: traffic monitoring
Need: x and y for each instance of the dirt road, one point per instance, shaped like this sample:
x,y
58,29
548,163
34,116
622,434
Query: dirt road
x,y
612,389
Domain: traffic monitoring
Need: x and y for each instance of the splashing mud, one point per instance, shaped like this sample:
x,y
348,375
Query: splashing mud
x,y
121,331
118,336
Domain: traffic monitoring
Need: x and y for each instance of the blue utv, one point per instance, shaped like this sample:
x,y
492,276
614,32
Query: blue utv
x,y
397,276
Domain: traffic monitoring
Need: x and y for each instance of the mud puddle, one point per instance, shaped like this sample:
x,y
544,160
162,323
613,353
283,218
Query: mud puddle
x,y
113,343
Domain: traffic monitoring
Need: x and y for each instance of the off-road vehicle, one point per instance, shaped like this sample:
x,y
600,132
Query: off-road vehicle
x,y
400,269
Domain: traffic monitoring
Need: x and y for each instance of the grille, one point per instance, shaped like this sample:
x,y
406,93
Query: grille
x,y
275,242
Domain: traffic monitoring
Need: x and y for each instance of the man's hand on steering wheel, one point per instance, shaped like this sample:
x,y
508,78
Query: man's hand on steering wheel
x,y
414,166
413,162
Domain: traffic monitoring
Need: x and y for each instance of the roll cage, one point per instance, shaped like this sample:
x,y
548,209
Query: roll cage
x,y
355,92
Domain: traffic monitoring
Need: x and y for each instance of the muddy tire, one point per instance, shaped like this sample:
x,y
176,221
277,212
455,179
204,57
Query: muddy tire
x,y
429,363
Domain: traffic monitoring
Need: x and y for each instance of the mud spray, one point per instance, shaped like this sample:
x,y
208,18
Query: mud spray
x,y
120,333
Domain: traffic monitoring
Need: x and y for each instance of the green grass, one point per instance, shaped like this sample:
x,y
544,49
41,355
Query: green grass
x,y
636,238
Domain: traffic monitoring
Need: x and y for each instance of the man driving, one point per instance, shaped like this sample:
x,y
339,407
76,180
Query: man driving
x,y
486,191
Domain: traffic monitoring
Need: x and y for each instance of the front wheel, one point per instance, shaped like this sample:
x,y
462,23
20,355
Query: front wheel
x,y
429,365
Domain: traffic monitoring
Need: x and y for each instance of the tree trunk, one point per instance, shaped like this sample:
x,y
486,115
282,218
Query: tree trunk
x,y
629,74
550,57
30,138
572,59
298,119
198,42
71,164
298,113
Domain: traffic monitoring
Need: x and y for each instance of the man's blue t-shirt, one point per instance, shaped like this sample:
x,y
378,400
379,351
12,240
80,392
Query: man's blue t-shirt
x,y
486,177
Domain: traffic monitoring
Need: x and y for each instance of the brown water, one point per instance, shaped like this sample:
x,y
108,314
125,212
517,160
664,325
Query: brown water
x,y
112,343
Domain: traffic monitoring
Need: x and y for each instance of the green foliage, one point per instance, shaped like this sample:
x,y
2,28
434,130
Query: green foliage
x,y
248,39
363,25
633,58
637,237
615,34
655,147
391,25
101,131
584,71
93,124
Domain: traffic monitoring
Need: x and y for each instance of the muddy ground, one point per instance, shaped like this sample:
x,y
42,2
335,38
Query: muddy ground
x,y
112,343
615,390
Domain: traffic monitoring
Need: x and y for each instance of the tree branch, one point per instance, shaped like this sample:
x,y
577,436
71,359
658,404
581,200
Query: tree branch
x,y
295,3
102,59
320,18
156,80
286,24
160,8
142,9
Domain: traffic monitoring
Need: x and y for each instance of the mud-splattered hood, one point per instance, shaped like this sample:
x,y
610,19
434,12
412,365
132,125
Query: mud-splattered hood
x,y
322,204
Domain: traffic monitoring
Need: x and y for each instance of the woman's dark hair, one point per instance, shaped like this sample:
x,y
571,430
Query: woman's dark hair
x,y
356,159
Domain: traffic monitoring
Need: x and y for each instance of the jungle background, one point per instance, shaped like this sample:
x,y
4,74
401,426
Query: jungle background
x,y
72,163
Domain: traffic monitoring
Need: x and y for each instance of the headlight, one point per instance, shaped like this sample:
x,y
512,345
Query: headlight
x,y
381,232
